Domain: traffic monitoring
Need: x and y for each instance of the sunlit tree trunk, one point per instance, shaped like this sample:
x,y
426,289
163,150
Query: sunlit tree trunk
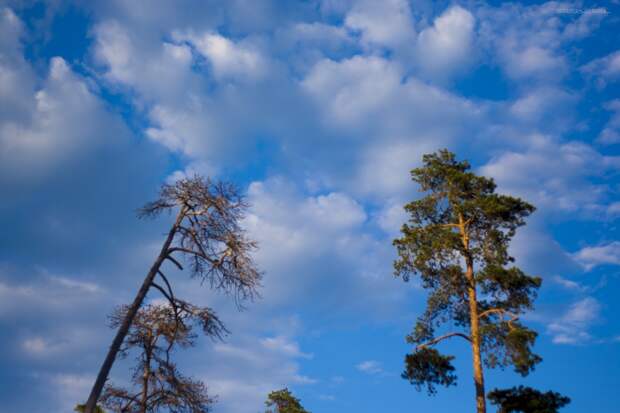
x,y
474,321
475,342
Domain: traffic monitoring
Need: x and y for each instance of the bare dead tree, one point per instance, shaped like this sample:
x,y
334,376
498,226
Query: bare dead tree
x,y
159,386
206,233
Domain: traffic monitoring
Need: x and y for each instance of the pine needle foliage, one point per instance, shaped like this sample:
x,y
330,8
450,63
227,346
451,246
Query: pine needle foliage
x,y
456,244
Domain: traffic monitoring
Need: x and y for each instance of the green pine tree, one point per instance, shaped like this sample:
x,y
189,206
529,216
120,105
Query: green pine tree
x,y
283,401
456,242
527,400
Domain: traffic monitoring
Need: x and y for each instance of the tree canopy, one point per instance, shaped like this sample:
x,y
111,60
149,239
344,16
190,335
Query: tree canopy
x,y
157,383
283,401
456,242
208,235
527,400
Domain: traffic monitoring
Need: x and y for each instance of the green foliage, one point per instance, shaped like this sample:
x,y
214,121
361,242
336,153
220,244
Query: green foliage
x,y
428,367
81,408
509,343
527,400
283,401
461,223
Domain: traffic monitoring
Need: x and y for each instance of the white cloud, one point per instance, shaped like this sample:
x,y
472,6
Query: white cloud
x,y
603,254
370,18
527,40
334,210
534,60
392,217
370,367
70,389
554,176
229,59
81,286
273,364
59,343
66,119
605,69
352,89
16,76
569,284
284,345
46,294
323,240
36,345
587,22
182,130
572,327
366,96
155,70
613,209
543,103
383,170
446,47
610,134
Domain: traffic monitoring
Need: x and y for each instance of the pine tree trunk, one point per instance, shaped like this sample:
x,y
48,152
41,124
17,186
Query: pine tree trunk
x,y
475,341
95,393
481,406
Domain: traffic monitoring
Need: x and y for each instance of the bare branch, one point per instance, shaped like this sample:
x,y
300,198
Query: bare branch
x,y
164,293
441,338
502,312
171,258
163,277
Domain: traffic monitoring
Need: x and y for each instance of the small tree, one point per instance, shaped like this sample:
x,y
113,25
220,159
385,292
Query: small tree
x,y
527,400
81,408
283,401
155,332
206,232
456,240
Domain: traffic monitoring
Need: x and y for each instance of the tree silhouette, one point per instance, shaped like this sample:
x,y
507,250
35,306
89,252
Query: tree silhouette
x,y
206,232
456,241
527,400
283,401
154,334
81,408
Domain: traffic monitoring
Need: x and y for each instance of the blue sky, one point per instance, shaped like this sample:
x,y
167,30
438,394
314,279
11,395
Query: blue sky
x,y
317,109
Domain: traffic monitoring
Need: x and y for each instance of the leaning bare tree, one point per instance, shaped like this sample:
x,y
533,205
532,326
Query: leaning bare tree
x,y
206,232
158,385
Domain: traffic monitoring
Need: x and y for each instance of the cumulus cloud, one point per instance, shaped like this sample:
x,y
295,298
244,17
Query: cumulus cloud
x,y
541,104
554,176
573,326
369,19
367,96
354,88
155,70
228,58
63,117
446,47
323,239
